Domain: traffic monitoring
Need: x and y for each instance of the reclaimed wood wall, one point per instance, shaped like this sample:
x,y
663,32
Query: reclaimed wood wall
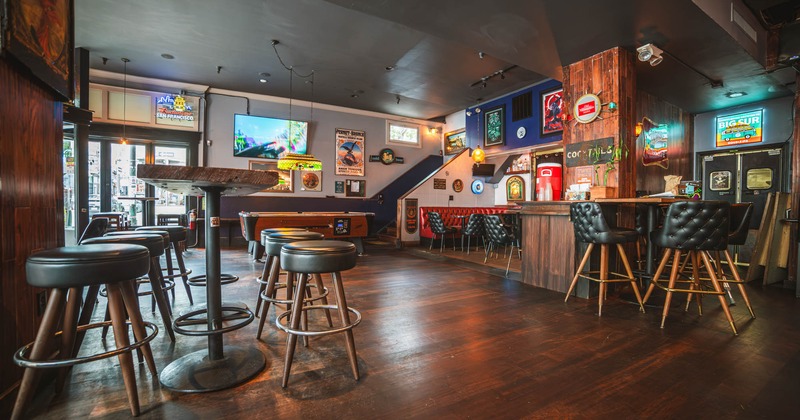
x,y
680,146
610,75
31,208
794,203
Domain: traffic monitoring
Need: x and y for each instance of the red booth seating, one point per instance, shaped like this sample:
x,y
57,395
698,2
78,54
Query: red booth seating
x,y
448,216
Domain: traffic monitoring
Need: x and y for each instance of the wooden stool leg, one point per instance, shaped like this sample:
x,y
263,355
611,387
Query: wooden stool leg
x,y
274,272
739,283
262,285
320,289
344,315
117,310
673,276
719,290
135,315
657,275
70,326
585,258
52,314
294,324
603,277
171,269
89,304
629,273
182,267
161,300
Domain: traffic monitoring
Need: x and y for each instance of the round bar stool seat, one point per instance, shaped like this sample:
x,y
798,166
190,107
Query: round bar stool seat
x,y
155,246
262,279
272,246
65,271
177,238
314,258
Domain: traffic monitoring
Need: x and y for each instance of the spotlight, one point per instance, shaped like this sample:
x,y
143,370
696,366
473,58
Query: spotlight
x,y
651,53
481,54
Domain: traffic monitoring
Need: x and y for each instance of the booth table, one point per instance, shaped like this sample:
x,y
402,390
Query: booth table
x,y
219,367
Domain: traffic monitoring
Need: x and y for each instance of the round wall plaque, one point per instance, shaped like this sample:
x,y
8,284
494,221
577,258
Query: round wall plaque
x,y
521,132
387,156
458,185
587,108
477,186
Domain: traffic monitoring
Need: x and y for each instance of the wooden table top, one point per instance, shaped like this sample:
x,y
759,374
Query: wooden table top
x,y
192,179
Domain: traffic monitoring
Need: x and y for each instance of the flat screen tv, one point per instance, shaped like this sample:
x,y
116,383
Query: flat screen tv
x,y
268,138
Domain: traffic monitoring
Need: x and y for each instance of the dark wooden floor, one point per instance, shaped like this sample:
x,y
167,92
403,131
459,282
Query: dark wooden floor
x,y
443,340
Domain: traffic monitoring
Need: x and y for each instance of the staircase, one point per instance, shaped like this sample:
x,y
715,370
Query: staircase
x,y
390,235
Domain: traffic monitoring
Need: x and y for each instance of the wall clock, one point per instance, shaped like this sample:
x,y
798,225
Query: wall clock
x,y
521,132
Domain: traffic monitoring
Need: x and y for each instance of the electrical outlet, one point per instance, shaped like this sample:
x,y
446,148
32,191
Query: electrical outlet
x,y
451,198
41,299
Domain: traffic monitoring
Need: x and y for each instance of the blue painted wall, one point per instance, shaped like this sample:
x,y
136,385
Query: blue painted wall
x,y
474,122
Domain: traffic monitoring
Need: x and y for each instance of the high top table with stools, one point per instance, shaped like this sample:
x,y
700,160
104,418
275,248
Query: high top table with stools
x,y
66,271
318,257
219,367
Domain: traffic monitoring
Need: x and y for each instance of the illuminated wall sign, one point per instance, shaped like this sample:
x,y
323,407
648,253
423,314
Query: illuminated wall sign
x,y
176,110
587,108
744,128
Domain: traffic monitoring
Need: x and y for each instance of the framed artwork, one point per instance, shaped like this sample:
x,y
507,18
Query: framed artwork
x,y
39,35
311,180
494,127
553,111
338,187
458,185
515,189
455,141
355,188
349,152
520,165
284,177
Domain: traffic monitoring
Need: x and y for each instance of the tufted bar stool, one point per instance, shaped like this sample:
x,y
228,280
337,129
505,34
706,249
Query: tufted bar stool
x,y
155,246
314,258
262,280
498,235
177,239
693,227
66,271
272,247
438,228
474,227
590,227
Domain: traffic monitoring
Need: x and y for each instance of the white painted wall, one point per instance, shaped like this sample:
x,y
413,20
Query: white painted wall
x,y
321,142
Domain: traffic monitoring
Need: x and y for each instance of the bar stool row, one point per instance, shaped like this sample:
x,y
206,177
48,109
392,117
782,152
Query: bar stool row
x,y
692,229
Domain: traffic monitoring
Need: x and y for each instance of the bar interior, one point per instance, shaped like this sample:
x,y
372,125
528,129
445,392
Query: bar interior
x,y
399,209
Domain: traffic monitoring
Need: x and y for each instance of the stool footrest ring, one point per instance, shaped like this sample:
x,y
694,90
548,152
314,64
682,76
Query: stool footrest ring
x,y
178,323
176,275
168,285
21,359
200,280
323,332
270,299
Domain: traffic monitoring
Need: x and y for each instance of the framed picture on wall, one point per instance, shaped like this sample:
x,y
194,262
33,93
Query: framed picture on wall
x,y
494,127
311,180
455,141
40,37
515,189
552,111
355,188
284,177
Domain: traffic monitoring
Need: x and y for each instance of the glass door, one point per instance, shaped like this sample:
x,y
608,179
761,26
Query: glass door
x,y
127,191
68,161
167,202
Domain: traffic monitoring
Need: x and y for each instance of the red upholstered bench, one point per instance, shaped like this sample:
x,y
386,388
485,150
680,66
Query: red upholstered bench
x,y
449,216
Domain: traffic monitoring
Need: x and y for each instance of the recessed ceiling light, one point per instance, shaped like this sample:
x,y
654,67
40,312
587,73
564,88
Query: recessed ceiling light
x,y
262,80
735,94
354,96
262,77
167,56
389,68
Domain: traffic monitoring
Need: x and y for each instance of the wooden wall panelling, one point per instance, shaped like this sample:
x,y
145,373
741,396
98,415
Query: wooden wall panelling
x,y
680,145
31,207
792,280
549,260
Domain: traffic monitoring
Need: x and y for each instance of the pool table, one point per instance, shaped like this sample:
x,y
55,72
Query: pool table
x,y
334,225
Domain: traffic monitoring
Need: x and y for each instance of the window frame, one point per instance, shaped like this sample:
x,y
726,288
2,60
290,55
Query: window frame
x,y
390,141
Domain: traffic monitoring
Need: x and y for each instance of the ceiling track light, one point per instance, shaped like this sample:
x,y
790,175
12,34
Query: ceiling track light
x,y
654,56
499,73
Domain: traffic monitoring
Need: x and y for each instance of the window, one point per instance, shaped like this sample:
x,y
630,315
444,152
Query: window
x,y
759,179
403,134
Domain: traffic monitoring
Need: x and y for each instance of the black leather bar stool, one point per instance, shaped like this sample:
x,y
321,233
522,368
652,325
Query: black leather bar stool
x,y
272,247
262,280
590,227
155,246
66,271
96,227
438,228
177,238
474,227
498,235
313,258
694,227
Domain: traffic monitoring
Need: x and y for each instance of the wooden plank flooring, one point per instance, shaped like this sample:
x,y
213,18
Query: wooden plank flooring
x,y
442,340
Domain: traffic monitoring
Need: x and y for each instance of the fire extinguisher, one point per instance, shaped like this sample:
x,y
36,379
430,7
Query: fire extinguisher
x,y
192,219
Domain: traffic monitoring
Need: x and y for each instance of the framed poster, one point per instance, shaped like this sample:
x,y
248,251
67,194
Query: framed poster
x,y
494,127
39,35
455,141
552,111
355,188
338,187
349,152
515,189
311,180
742,128
284,184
